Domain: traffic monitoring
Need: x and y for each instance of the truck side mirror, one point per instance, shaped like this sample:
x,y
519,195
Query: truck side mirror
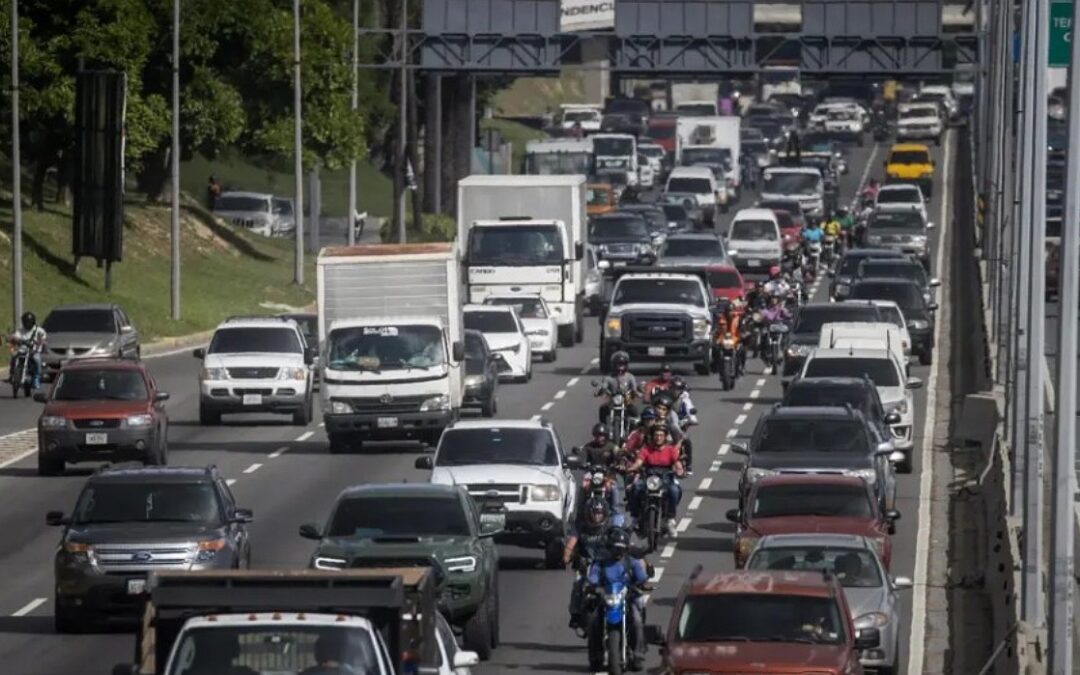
x,y
424,463
458,351
199,353
310,531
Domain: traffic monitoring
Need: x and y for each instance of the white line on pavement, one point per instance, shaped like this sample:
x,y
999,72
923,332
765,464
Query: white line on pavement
x,y
724,449
595,360
732,433
683,525
573,381
668,551
695,503
230,482
706,483
715,466
559,394
748,406
760,382
29,607
535,418
866,174
755,393
279,452
657,573
253,468
22,443
547,406
322,424
304,436
740,419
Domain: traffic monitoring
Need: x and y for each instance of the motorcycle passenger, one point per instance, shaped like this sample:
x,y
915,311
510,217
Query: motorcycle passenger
x,y
33,336
777,286
620,380
776,312
661,382
668,415
813,232
638,437
584,545
729,322
617,566
658,453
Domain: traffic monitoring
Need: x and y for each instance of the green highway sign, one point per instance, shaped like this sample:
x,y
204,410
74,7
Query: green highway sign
x,y
1061,15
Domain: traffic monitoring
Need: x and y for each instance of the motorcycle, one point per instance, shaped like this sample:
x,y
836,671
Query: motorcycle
x,y
813,255
757,325
829,250
618,420
608,631
729,364
774,341
20,376
653,514
595,483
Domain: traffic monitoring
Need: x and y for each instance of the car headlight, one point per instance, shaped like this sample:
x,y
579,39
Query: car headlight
x,y
919,242
213,374
868,475
543,332
328,563
754,475
728,342
798,351
208,550
545,493
340,408
746,545
79,553
653,483
872,620
103,349
919,324
474,380
901,407
137,421
613,327
440,402
52,422
463,564
292,374
701,329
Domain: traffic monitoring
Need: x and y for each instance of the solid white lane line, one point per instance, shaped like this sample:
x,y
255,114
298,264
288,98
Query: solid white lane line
x,y
279,452
657,573
253,468
230,482
916,645
573,381
304,436
547,406
668,551
755,393
740,419
29,607
683,525
732,433
706,483
559,394
760,382
715,466
748,406
695,503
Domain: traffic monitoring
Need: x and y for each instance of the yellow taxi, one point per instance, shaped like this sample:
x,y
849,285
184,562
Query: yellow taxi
x,y
911,163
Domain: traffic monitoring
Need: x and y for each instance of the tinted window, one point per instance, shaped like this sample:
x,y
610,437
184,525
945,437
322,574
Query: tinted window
x,y
854,568
235,203
843,436
760,617
676,247
464,447
910,157
675,212
474,346
100,385
618,227
892,314
131,502
80,321
908,295
515,245
725,279
491,322
791,183
753,230
913,271
367,517
255,340
690,185
662,291
899,196
881,370
815,499
849,264
811,319
613,147
918,111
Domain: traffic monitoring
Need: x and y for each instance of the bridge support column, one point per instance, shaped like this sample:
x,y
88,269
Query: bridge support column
x,y
597,79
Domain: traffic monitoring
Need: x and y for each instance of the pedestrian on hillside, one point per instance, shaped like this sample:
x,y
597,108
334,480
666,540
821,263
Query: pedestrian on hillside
x,y
213,191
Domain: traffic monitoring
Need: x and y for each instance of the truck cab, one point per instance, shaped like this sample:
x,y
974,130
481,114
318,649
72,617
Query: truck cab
x,y
616,153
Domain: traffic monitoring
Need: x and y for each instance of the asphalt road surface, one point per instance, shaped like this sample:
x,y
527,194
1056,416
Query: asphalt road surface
x,y
285,474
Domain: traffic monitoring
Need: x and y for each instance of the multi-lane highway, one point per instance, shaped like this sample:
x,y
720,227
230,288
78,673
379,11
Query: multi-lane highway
x,y
285,474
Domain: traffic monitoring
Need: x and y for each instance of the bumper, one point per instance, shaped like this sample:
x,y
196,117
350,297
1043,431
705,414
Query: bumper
x,y
398,425
905,132
462,596
652,353
106,595
542,344
71,445
884,655
531,529
239,396
902,437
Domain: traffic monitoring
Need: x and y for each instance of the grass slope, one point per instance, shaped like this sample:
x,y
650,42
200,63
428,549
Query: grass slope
x,y
534,95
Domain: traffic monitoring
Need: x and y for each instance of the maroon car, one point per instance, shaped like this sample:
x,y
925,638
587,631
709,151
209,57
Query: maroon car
x,y
808,504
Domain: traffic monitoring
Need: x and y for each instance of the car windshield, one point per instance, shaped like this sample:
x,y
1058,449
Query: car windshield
x,y
249,340
240,204
782,183
832,396
100,385
283,207
761,617
692,156
376,348
513,245
136,502
490,321
579,116
607,146
527,308
288,649
909,157
811,499
881,370
494,445
753,230
80,321
661,132
557,163
906,295
908,194
412,515
811,319
659,291
853,567
785,434
675,247
918,112
618,227
725,279
693,186
903,270
898,220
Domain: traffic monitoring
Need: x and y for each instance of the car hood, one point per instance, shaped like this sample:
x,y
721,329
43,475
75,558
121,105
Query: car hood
x,y
135,533
498,341
806,461
863,600
891,396
536,324
254,360
861,527
658,308
479,474
774,658
65,340
97,409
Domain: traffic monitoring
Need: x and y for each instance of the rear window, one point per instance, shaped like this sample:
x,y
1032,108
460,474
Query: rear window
x,y
80,321
681,248
849,264
881,370
370,517
491,322
906,195
761,617
907,295
814,499
690,185
785,434
903,270
811,319
753,230
909,157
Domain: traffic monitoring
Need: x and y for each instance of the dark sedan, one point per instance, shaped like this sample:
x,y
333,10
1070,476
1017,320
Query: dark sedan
x,y
481,374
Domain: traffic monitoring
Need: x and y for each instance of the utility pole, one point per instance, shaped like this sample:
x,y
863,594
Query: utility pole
x,y
403,137
174,161
1063,486
16,177
298,146
349,219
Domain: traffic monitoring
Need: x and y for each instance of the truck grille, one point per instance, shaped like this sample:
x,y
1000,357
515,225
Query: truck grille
x,y
657,328
252,373
96,424
506,493
387,405
63,351
136,557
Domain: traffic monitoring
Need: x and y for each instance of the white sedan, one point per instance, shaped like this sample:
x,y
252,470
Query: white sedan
x,y
536,317
505,335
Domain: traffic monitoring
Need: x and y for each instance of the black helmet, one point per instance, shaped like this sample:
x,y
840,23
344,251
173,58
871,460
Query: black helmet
x,y
620,358
600,429
618,540
665,367
663,398
841,211
28,320
596,511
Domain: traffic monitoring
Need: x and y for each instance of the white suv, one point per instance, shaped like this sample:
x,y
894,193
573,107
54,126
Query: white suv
x,y
256,364
518,463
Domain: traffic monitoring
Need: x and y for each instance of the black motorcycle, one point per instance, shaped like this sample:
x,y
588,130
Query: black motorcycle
x,y
774,344
653,511
618,419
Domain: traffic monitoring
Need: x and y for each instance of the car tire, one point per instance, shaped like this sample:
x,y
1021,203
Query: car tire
x,y
566,336
340,444
208,417
905,465
48,466
157,456
937,141
66,620
489,407
553,552
302,417
926,357
549,357
476,633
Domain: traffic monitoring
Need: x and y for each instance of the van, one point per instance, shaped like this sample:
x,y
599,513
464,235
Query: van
x,y
754,241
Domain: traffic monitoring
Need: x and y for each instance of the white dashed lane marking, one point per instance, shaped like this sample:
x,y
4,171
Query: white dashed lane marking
x,y
535,418
253,468
573,381
304,436
559,394
279,452
715,466
695,503
547,406
706,483
732,433
748,406
683,525
760,383
724,449
29,607
657,573
230,481
755,393
668,551
740,419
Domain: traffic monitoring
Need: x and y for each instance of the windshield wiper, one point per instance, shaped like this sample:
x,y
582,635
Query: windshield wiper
x,y
352,365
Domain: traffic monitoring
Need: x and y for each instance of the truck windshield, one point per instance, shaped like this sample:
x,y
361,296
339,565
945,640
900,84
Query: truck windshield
x,y
558,163
613,147
286,647
717,156
881,370
492,445
783,183
412,515
760,617
131,502
515,245
379,347
659,291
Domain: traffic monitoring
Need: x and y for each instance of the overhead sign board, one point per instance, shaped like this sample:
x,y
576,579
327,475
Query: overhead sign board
x,y
579,15
1061,16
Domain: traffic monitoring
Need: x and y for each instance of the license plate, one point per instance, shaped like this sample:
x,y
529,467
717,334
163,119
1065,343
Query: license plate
x,y
252,399
136,586
387,422
753,263
494,518
656,351
97,439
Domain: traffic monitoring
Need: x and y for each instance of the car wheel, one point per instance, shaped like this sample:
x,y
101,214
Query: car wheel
x,y
704,367
302,417
208,417
489,407
48,466
477,633
68,620
549,357
926,357
566,336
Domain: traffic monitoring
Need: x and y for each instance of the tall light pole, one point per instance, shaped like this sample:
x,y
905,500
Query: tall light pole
x,y
298,146
349,225
175,164
403,137
16,178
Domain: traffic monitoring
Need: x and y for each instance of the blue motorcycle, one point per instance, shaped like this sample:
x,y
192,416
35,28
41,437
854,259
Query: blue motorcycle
x,y
608,630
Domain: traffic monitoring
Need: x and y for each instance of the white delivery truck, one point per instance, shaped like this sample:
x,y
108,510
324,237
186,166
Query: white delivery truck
x,y
695,98
559,157
713,142
391,342
526,235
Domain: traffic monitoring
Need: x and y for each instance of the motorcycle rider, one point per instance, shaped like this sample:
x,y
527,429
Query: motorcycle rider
x,y
585,545
659,453
869,193
777,286
729,321
776,312
637,438
600,451
620,380
617,566
847,225
34,336
668,415
661,382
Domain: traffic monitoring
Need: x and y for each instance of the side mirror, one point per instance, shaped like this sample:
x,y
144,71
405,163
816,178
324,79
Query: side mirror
x,y
579,253
603,264
310,531
466,659
243,516
867,638
654,636
127,330
740,449
914,383
935,282
309,355
425,462
885,448
902,583
892,515
932,307
733,516
892,418
457,351
574,461
199,353
55,519
41,397
161,396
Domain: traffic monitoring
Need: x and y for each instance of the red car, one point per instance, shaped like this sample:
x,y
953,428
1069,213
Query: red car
x,y
102,410
762,622
812,503
790,230
726,283
662,131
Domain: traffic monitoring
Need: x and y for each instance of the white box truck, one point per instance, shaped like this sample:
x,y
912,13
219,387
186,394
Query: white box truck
x,y
526,235
713,142
391,342
695,98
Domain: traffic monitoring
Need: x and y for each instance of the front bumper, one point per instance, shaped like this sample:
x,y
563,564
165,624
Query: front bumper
x,y
648,353
477,394
239,396
71,445
531,529
884,655
542,344
922,132
389,426
461,596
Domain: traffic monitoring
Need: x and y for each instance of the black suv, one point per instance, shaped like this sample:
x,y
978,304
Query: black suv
x,y
806,328
128,522
420,524
843,275
918,313
839,392
622,237
481,374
